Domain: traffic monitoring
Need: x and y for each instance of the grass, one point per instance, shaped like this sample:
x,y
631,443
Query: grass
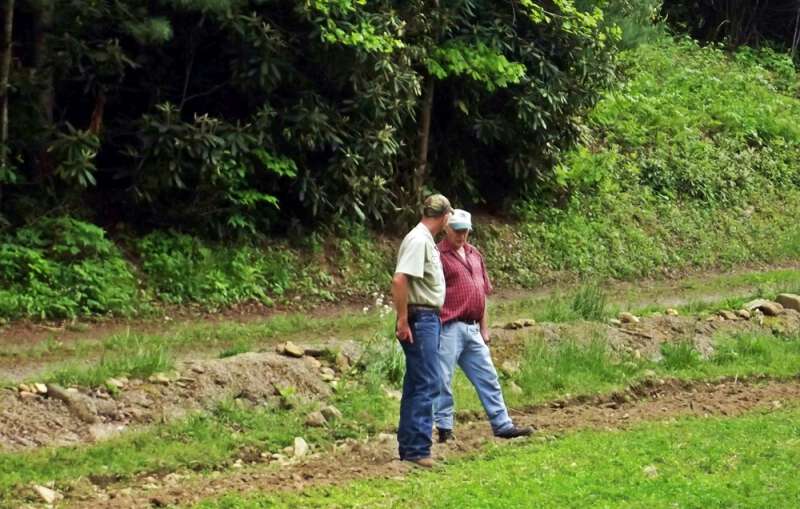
x,y
744,462
553,370
548,371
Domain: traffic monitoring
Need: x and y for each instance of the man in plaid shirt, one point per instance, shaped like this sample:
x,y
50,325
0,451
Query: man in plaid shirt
x,y
465,333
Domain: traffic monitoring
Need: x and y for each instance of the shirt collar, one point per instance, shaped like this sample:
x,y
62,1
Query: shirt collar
x,y
445,246
426,231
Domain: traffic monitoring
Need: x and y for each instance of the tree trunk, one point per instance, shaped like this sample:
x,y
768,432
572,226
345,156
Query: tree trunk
x,y
421,170
5,71
42,25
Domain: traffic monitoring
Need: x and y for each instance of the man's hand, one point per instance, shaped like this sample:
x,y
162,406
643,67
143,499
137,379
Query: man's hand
x,y
485,334
403,332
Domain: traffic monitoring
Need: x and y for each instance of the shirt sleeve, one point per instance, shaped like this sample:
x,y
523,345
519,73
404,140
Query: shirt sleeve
x,y
411,258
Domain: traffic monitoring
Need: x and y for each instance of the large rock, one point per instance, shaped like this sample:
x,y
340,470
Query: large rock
x,y
743,313
331,413
316,420
767,307
728,315
293,350
789,301
47,495
625,317
300,448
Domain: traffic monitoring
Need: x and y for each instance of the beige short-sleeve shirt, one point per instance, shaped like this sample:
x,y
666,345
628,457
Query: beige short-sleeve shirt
x,y
419,259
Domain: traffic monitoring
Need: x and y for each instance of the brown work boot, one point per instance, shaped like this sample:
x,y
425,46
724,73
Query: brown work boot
x,y
426,462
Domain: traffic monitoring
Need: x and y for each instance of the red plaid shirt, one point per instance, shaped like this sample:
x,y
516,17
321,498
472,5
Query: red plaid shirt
x,y
466,283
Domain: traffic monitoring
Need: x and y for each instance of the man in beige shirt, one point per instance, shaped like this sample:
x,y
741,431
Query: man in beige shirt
x,y
418,294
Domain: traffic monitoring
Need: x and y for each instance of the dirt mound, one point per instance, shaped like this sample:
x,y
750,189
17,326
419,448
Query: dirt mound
x,y
655,400
31,420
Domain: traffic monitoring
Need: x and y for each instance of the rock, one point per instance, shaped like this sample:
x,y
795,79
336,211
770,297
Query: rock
x,y
312,362
47,495
300,448
316,420
510,368
393,393
728,315
615,322
327,374
106,407
527,322
331,413
27,395
789,301
626,317
743,313
650,471
81,406
387,438
517,324
767,307
198,369
671,312
26,388
159,378
293,350
515,389
116,383
40,388
342,362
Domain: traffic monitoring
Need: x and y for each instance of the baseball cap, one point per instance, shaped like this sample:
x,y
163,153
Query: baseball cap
x,y
436,205
460,220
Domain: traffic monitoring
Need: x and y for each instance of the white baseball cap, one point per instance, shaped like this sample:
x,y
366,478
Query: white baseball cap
x,y
460,220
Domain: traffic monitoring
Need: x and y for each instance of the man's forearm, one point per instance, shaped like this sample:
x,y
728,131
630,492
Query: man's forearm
x,y
485,318
400,296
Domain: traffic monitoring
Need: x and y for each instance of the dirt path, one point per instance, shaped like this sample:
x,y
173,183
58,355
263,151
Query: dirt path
x,y
654,400
26,335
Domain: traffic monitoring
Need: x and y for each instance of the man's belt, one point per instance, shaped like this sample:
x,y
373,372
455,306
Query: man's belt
x,y
415,308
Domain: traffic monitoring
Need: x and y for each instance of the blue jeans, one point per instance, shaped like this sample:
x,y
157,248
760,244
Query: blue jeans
x,y
462,343
420,385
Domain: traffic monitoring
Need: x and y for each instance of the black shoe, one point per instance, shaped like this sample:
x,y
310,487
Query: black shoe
x,y
445,435
514,432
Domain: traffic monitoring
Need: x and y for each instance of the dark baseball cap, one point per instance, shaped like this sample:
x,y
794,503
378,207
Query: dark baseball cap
x,y
436,205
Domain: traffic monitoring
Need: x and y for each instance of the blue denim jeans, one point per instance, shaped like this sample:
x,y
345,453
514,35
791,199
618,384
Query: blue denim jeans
x,y
420,385
462,343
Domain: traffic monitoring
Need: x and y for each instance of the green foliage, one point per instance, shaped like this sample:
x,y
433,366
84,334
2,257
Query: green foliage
x,y
680,125
62,268
139,362
679,355
206,115
477,62
589,302
182,269
570,366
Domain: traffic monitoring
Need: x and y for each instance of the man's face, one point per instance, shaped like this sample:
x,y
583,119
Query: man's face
x,y
457,237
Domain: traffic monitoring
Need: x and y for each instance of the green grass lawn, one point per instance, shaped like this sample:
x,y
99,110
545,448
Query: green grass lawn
x,y
744,462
